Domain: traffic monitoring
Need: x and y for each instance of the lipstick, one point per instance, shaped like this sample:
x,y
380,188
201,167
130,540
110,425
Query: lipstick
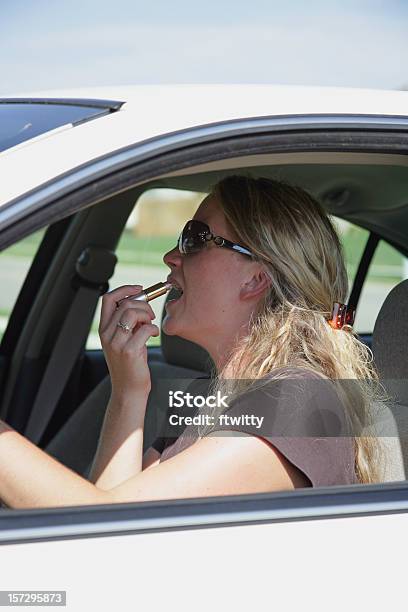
x,y
149,294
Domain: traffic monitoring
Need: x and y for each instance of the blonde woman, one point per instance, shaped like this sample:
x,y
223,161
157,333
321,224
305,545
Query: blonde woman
x,y
260,267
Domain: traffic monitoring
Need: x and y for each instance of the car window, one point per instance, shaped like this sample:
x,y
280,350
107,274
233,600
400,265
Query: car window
x,y
155,223
15,262
388,268
152,229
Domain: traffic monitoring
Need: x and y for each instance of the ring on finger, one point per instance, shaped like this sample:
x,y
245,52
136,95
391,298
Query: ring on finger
x,y
125,326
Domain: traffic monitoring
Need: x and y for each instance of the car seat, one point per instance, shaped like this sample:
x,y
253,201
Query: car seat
x,y
389,346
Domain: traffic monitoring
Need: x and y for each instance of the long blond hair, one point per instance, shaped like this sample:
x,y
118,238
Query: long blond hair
x,y
290,232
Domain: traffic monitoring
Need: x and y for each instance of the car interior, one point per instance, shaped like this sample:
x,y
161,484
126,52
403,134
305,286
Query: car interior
x,y
55,390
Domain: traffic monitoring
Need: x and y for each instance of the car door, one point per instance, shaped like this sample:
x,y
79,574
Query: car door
x,y
293,549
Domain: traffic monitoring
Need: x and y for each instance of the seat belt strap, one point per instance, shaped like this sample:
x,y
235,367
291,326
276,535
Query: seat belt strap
x,y
362,269
94,268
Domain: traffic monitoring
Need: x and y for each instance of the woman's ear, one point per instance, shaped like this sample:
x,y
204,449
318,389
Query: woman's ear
x,y
256,286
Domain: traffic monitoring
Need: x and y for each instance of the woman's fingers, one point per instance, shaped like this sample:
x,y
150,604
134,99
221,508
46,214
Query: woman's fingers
x,y
134,318
125,347
132,315
110,314
138,340
110,298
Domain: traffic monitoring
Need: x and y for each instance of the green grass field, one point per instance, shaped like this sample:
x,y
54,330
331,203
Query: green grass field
x,y
131,249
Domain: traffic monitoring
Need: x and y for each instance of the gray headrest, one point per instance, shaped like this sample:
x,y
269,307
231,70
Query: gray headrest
x,y
183,353
390,342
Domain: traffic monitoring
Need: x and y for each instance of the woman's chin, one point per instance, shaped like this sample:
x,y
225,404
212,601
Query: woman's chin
x,y
172,328
169,326
176,321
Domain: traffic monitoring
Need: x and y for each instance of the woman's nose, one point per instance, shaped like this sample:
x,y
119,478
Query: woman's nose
x,y
173,258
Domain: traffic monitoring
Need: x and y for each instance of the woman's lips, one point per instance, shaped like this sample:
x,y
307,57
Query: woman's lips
x,y
176,290
172,281
177,296
169,304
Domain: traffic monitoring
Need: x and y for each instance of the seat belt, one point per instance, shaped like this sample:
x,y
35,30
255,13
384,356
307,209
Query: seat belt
x,y
362,269
94,268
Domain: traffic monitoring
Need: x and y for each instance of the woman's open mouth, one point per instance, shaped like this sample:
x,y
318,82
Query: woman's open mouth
x,y
176,291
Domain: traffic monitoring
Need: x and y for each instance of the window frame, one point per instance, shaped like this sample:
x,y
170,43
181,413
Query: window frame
x,y
142,163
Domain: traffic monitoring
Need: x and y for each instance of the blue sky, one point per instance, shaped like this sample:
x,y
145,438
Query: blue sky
x,y
67,43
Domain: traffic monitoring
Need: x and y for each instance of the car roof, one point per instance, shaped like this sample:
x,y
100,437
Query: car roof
x,y
154,110
217,102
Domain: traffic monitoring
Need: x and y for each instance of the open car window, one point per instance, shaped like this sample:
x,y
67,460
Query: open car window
x,y
158,217
387,268
152,229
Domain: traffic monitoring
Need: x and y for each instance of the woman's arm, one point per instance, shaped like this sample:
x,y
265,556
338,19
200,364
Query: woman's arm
x,y
214,465
30,478
151,458
120,448
232,463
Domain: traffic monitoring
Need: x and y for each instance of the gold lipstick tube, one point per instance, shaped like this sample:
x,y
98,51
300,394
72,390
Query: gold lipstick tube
x,y
149,294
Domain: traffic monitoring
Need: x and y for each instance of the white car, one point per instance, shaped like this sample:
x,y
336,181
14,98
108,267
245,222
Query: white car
x,y
80,174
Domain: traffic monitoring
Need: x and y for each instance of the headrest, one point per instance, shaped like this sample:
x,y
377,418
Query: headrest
x,y
183,353
390,340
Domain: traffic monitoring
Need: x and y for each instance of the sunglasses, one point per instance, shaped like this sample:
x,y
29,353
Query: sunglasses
x,y
196,235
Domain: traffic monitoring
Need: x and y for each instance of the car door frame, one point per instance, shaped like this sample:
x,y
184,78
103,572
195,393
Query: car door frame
x,y
139,164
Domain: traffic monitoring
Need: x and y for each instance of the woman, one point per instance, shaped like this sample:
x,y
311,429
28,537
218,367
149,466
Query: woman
x,y
260,269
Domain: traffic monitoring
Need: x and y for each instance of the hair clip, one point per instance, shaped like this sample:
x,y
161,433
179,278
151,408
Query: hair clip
x,y
342,316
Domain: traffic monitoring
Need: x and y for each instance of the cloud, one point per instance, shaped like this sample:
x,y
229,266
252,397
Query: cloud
x,y
343,50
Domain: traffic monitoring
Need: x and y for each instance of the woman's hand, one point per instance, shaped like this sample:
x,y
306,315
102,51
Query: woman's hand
x,y
125,352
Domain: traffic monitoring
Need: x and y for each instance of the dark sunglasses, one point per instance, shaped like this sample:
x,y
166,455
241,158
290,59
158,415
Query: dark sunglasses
x,y
196,235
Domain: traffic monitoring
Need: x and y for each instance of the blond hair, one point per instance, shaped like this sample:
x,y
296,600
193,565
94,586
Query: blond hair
x,y
291,234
